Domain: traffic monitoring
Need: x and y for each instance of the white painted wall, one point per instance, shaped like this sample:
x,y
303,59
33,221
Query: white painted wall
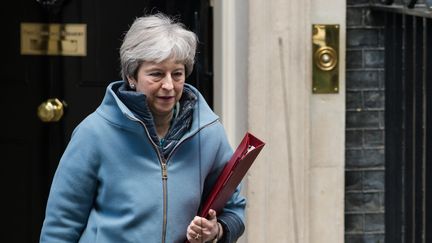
x,y
263,66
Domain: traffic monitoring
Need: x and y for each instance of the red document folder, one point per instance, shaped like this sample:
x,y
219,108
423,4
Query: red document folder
x,y
232,174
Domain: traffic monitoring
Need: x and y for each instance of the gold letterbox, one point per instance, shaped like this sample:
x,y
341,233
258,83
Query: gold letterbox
x,y
53,39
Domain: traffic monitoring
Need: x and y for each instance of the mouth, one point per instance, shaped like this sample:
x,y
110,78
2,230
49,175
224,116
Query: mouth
x,y
166,98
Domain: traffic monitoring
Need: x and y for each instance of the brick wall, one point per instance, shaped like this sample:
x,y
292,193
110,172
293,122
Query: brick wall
x,y
364,189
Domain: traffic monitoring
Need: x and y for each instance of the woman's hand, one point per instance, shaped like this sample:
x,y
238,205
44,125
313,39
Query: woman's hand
x,y
203,230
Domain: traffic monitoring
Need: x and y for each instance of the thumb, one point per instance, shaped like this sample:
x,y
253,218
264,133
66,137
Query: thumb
x,y
212,214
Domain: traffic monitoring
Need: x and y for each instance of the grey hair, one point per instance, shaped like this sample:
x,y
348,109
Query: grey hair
x,y
156,38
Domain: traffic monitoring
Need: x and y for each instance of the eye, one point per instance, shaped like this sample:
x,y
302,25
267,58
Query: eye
x,y
155,74
178,75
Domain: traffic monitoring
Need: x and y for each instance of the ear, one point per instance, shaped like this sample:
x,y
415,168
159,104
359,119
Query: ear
x,y
132,82
131,79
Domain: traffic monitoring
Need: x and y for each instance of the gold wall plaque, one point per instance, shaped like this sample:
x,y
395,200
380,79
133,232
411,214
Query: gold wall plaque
x,y
325,58
53,39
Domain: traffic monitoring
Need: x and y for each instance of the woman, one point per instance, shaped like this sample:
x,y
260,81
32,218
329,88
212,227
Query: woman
x,y
137,168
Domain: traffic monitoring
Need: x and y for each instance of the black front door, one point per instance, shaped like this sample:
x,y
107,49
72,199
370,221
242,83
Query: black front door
x,y
30,148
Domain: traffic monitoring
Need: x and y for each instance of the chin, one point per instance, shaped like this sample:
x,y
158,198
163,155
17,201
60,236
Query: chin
x,y
165,110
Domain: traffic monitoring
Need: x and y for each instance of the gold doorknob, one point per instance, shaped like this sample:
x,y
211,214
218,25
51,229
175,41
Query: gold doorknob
x,y
51,110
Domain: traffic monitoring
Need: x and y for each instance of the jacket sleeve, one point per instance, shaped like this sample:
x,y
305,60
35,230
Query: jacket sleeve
x,y
232,216
72,191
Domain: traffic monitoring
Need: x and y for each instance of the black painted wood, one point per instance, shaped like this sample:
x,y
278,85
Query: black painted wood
x,y
30,149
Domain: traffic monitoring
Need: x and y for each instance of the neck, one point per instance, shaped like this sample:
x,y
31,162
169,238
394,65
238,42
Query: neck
x,y
162,124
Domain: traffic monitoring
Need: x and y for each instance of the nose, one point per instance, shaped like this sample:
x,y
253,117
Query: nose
x,y
167,82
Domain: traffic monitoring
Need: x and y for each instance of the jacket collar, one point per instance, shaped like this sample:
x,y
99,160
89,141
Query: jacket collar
x,y
116,112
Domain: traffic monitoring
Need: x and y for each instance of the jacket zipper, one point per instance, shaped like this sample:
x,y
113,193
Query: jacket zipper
x,y
163,164
165,198
165,179
164,170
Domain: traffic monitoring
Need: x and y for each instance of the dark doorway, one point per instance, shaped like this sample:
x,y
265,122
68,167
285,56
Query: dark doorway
x,y
30,148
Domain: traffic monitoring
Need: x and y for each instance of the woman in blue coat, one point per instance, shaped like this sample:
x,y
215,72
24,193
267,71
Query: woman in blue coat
x,y
137,169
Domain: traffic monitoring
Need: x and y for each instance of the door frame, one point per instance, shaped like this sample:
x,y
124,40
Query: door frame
x,y
230,65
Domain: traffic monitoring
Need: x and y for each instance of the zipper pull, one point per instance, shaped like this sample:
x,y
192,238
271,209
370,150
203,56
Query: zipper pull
x,y
164,171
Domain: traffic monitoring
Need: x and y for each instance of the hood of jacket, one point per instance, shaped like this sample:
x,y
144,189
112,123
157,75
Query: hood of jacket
x,y
116,112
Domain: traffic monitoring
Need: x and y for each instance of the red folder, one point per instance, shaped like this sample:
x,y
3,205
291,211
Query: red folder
x,y
232,174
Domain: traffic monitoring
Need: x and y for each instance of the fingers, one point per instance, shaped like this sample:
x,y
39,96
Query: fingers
x,y
202,229
194,236
212,215
196,233
203,222
198,228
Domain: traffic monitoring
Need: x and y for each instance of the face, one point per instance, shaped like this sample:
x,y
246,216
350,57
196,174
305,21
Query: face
x,y
162,83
